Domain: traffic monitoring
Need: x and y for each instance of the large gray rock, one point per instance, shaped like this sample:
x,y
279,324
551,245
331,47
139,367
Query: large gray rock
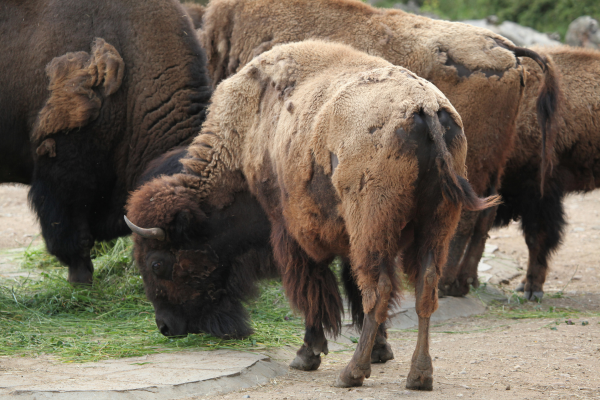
x,y
584,32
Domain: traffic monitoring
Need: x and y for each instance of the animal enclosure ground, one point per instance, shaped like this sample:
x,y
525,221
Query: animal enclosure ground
x,y
527,346
489,357
18,225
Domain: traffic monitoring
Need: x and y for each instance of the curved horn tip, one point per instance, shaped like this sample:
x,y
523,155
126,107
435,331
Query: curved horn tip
x,y
147,233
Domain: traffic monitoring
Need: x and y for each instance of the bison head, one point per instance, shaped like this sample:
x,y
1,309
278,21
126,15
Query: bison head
x,y
199,257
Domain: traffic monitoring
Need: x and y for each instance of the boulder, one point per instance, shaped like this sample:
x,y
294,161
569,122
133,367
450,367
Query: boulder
x,y
584,32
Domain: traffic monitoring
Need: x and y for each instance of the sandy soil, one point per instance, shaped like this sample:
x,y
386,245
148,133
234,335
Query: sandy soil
x,y
488,357
18,225
480,358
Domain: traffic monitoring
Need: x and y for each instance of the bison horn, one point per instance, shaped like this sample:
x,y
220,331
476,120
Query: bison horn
x,y
147,233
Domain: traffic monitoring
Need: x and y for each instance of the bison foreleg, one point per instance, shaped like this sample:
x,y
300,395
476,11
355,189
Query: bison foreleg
x,y
65,231
467,275
312,288
420,376
308,357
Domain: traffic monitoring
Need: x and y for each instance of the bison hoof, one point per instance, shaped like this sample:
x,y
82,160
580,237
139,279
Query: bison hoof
x,y
306,360
420,379
351,377
453,290
381,353
520,287
534,296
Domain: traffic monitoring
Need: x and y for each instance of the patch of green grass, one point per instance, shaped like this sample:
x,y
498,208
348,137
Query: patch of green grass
x,y
112,318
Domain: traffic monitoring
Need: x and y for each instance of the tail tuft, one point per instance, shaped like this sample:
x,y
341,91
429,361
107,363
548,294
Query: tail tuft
x,y
472,202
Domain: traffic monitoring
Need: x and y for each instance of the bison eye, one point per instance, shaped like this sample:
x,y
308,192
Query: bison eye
x,y
160,265
157,267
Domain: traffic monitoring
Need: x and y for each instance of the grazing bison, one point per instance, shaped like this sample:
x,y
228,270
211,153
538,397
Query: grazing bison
x,y
575,151
90,94
348,156
477,70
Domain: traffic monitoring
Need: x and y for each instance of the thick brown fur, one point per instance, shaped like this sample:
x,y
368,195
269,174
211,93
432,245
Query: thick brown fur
x,y
476,69
73,102
90,94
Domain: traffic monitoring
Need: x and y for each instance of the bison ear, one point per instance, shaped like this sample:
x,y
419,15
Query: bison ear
x,y
78,83
187,225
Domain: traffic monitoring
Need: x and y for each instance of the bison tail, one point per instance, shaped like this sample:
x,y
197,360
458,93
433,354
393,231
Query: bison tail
x,y
548,101
459,191
454,187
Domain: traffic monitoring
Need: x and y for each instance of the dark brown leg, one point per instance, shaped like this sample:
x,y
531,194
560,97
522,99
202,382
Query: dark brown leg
x,y
312,288
543,224
359,366
308,357
382,351
468,267
537,268
464,232
420,376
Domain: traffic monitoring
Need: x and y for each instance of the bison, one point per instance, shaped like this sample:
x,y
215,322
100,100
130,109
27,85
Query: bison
x,y
575,150
479,71
90,93
313,150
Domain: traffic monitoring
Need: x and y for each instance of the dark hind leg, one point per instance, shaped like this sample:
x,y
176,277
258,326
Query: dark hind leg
x,y
420,376
377,300
382,351
448,285
543,223
312,288
65,231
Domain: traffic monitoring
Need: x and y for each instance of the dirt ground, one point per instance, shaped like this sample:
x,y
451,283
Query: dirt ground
x,y
18,225
486,357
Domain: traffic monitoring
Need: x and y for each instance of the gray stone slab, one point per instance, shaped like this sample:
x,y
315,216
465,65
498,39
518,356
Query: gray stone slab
x,y
503,268
159,376
405,316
